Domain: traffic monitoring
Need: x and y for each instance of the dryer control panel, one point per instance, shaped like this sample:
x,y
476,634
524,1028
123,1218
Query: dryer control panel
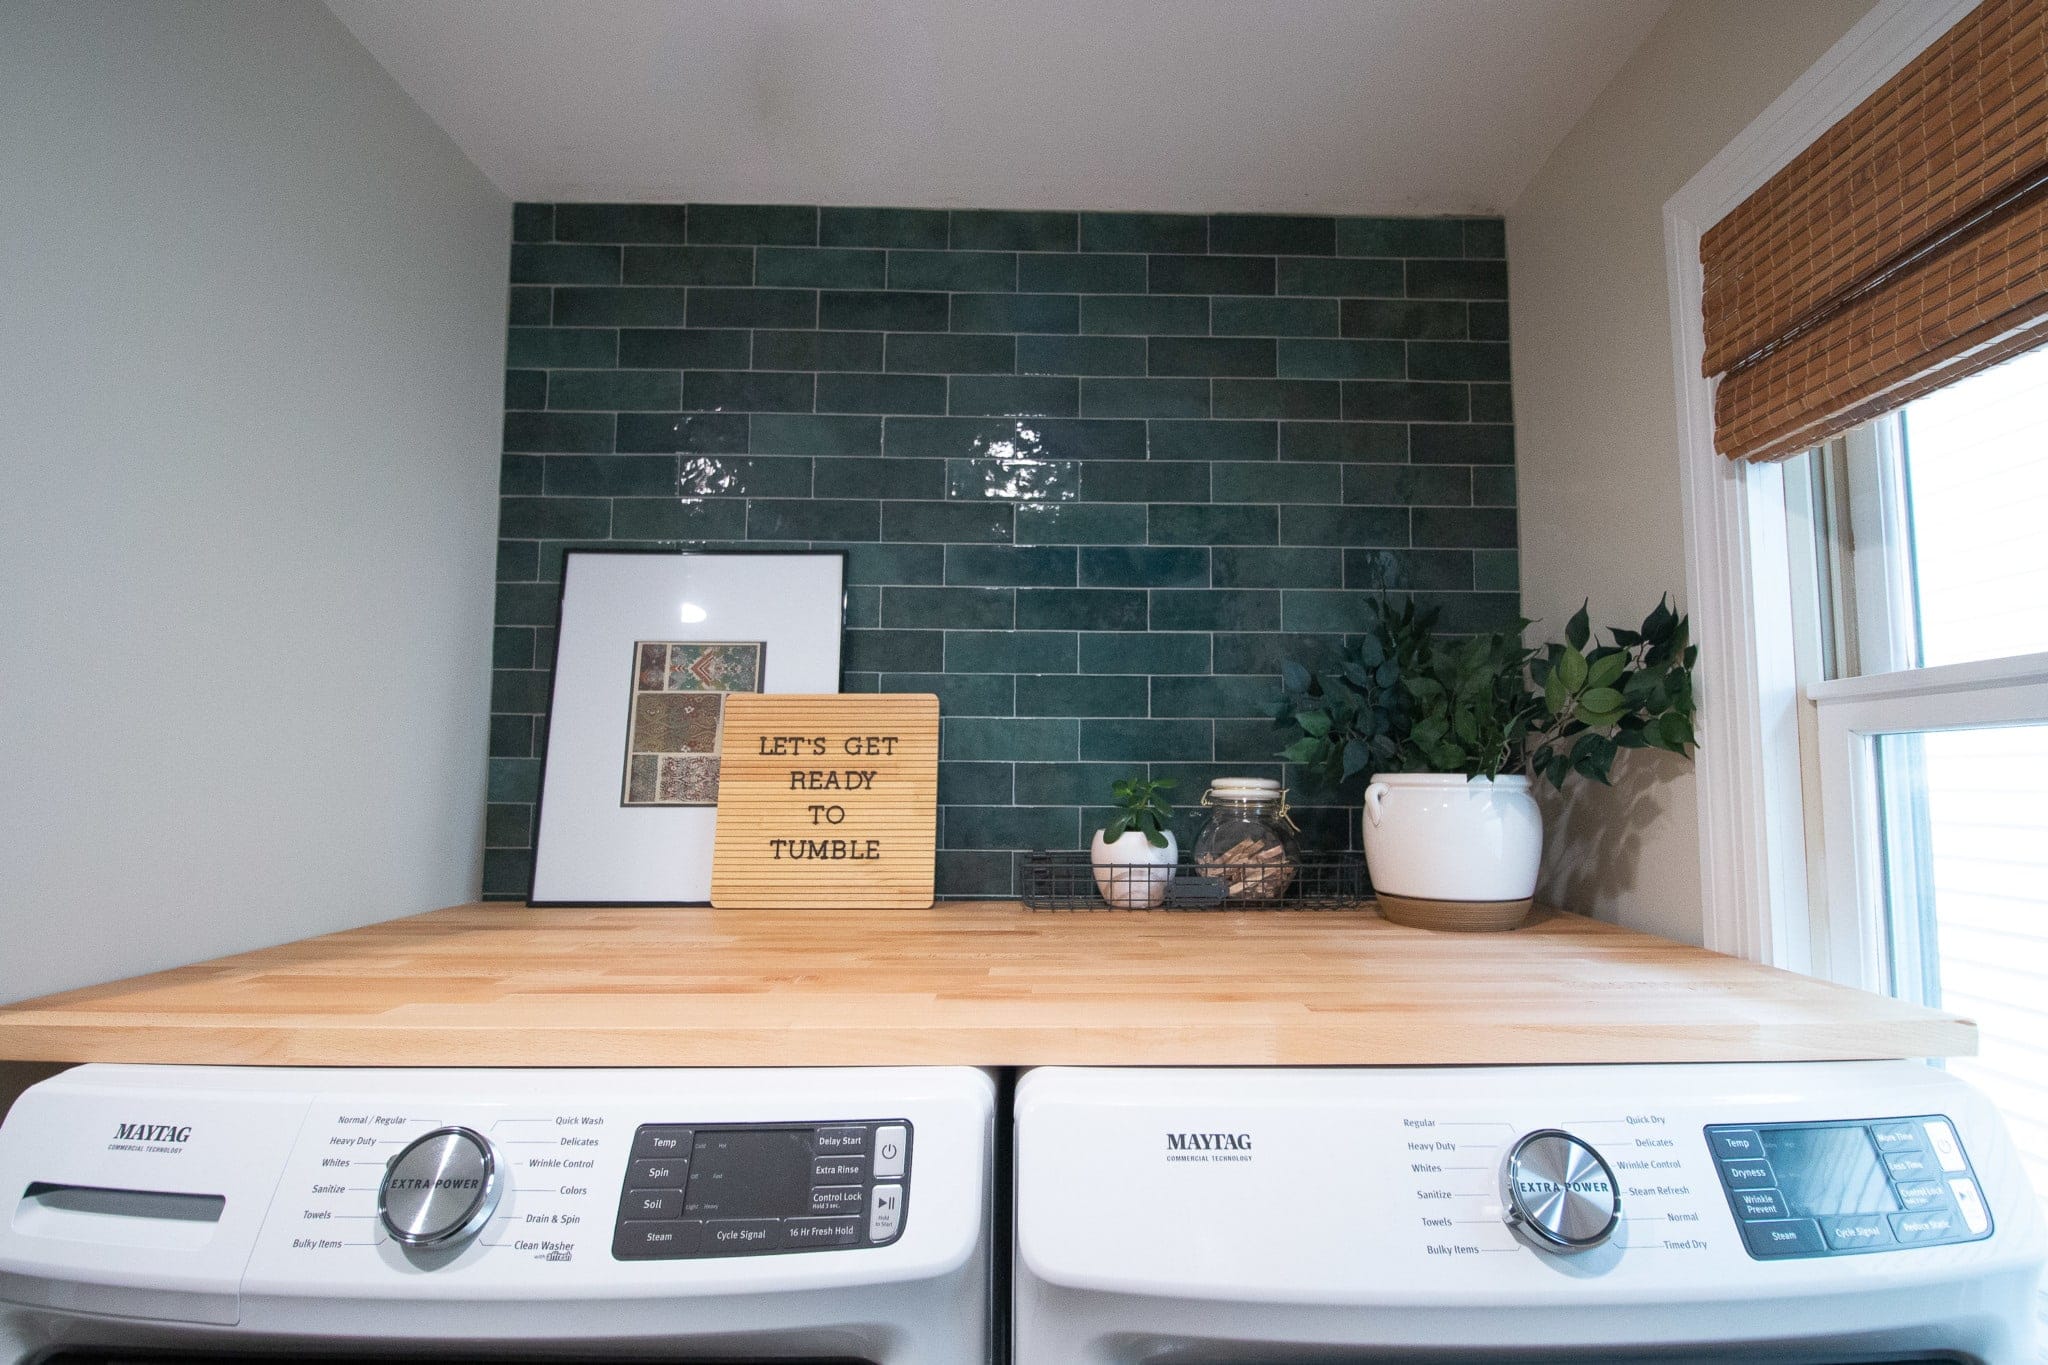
x,y
745,1189
1843,1189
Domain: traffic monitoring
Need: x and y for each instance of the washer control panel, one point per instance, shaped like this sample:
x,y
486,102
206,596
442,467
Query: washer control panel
x,y
695,1191
1845,1188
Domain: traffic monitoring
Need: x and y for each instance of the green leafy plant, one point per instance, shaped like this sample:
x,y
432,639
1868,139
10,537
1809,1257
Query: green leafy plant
x,y
1406,699
1141,805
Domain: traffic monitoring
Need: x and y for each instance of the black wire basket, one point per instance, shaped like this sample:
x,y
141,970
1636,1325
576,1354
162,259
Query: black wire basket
x,y
1065,879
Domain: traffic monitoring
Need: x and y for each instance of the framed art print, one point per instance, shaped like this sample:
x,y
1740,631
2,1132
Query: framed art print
x,y
649,648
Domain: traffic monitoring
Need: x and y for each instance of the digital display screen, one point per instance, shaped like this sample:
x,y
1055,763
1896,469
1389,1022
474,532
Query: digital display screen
x,y
1827,1172
758,1173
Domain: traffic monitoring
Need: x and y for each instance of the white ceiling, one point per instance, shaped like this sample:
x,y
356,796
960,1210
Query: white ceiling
x,y
1361,106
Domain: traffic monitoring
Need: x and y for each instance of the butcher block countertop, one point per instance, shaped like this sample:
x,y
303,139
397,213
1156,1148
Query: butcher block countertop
x,y
981,983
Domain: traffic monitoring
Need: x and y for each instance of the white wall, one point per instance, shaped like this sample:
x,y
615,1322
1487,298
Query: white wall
x,y
250,360
1595,409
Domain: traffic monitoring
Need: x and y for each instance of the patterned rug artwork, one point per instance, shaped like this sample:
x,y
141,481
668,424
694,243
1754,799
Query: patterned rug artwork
x,y
678,717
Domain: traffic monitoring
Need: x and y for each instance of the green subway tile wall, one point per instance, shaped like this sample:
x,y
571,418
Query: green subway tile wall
x,y
1096,474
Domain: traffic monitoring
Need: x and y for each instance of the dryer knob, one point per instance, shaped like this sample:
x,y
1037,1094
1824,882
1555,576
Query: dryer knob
x,y
1560,1193
441,1190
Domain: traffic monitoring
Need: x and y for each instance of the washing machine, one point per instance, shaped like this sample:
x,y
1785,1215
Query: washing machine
x,y
1799,1212
677,1215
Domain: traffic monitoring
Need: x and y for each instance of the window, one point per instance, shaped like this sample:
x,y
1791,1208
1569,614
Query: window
x,y
1922,638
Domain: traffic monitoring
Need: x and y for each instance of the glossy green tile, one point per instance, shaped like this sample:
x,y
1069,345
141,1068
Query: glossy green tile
x,y
1008,741
1020,827
971,784
1068,694
1492,403
1080,524
759,224
1275,317
1486,360
1213,440
813,267
1072,273
1145,566
1016,313
952,353
883,310
615,390
564,263
1476,528
1235,696
553,518
1496,570
913,228
1146,481
947,523
1251,482
1080,355
573,432
1210,356
677,348
1144,315
1457,280
1487,321
949,608
956,271
1341,277
965,874
751,390
610,476
817,351
511,736
592,306
778,434
527,604
516,558
1347,359
507,874
1400,237
1066,784
1369,526
1193,525
690,265
694,433
530,306
511,647
1403,319
1210,275
919,651
1214,609
1102,396
1322,610
703,476
1012,480
1272,234
1493,486
1030,395
813,519
526,389
879,393
1146,741
1035,438
1375,442
1289,398
1408,485
1009,566
533,222
520,473
1261,566
873,477
1144,652
1373,400
1410,570
713,307
508,825
893,563
1147,232
1010,651
1263,652
621,223
1466,613
1080,609
1013,230
669,519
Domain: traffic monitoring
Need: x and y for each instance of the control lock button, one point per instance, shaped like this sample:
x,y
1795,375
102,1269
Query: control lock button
x,y
885,1214
1908,1165
661,1141
1947,1150
1791,1237
1927,1225
1971,1205
666,1173
1761,1204
1896,1137
1921,1194
892,1149
1748,1175
1855,1231
838,1198
1738,1144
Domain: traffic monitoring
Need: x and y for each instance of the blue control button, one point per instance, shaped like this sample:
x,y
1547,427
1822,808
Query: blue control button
x,y
1922,1194
1896,1137
1908,1165
1857,1231
1760,1204
1790,1237
1926,1225
1737,1144
1741,1175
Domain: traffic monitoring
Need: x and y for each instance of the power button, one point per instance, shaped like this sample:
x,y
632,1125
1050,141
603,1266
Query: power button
x,y
892,1149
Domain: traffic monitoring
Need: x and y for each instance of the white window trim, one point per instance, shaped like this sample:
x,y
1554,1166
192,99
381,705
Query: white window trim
x,y
1753,868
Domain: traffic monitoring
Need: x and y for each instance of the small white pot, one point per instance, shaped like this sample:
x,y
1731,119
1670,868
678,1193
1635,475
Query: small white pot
x,y
1130,872
1446,837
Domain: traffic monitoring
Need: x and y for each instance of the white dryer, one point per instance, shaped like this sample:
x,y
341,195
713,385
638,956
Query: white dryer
x,y
680,1215
1812,1212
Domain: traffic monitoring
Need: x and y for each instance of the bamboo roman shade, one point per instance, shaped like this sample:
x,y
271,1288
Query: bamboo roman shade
x,y
1904,249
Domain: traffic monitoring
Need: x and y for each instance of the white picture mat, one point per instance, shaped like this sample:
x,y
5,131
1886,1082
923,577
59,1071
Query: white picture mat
x,y
588,847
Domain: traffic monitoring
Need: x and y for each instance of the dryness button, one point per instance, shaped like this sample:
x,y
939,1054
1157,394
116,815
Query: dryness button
x,y
885,1212
892,1148
1748,1175
1970,1206
1947,1150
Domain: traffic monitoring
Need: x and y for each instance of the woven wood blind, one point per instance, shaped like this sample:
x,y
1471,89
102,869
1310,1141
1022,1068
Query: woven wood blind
x,y
1904,249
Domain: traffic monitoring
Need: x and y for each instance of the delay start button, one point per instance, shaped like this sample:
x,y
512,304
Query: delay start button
x,y
441,1190
1560,1192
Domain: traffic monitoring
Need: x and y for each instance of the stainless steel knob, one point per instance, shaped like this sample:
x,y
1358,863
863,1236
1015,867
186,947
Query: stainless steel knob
x,y
441,1190
1560,1193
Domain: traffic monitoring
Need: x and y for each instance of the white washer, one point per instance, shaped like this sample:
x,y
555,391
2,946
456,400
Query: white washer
x,y
682,1215
1809,1212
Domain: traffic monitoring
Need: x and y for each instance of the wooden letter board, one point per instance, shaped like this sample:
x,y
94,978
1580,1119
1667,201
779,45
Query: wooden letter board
x,y
827,801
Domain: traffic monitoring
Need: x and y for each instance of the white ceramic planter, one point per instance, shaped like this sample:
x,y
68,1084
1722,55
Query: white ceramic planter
x,y
1442,837
1130,872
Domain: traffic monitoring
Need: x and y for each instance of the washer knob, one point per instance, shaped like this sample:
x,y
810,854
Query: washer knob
x,y
1560,1192
441,1190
